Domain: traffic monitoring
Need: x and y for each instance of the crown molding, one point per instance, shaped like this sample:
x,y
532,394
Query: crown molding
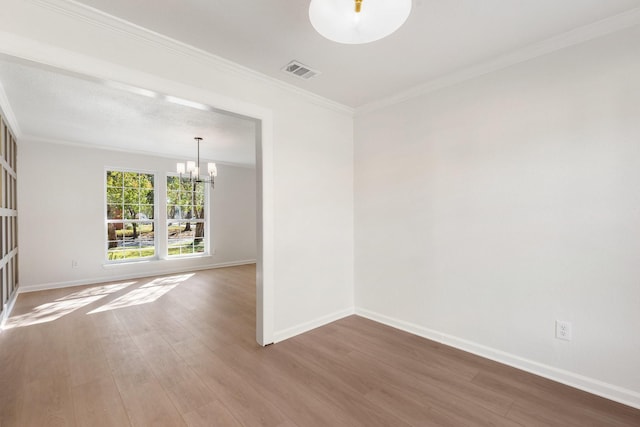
x,y
98,18
9,115
95,17
579,35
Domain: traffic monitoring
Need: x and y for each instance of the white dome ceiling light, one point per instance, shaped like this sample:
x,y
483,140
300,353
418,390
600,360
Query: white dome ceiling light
x,y
358,21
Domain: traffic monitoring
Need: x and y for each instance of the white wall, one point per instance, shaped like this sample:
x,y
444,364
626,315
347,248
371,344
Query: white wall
x,y
308,190
61,195
487,210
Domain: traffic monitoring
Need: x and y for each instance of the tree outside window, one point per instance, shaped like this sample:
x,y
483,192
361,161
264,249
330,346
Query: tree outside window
x,y
185,217
130,215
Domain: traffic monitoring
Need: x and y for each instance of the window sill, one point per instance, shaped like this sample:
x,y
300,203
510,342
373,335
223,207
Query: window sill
x,y
178,257
154,261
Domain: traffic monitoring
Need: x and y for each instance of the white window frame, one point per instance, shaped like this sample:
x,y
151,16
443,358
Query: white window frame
x,y
206,220
107,221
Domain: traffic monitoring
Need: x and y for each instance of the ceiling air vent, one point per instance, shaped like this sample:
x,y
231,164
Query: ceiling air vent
x,y
300,70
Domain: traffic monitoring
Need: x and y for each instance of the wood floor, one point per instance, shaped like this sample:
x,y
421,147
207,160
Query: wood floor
x,y
180,350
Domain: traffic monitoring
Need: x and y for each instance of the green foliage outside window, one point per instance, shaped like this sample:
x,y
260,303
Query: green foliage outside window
x,y
130,215
185,216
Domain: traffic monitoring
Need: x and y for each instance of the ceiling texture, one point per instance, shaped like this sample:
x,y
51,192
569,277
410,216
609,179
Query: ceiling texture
x,y
57,106
439,39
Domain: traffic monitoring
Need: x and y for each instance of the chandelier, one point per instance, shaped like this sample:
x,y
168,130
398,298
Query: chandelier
x,y
360,22
190,171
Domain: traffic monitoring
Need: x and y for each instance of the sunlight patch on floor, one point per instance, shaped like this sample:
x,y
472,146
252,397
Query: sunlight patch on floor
x,y
62,306
145,294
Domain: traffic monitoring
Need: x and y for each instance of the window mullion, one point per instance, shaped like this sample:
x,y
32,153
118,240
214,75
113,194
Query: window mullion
x,y
161,218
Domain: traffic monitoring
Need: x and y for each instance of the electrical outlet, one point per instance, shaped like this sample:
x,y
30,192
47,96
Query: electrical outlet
x,y
74,263
563,330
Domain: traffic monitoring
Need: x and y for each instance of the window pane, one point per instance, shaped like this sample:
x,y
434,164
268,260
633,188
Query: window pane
x,y
199,212
146,196
146,212
146,181
145,233
114,211
173,197
173,183
184,198
130,211
131,196
131,179
200,199
114,179
114,195
174,212
115,254
171,250
128,229
187,212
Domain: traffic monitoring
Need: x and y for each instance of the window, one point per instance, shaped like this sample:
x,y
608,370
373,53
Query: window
x,y
186,224
130,215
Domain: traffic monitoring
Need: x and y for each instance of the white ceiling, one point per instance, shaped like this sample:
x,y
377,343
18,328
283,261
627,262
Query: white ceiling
x,y
440,38
57,106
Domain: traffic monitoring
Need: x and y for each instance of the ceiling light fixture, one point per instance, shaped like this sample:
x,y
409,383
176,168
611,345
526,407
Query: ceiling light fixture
x,y
193,169
360,22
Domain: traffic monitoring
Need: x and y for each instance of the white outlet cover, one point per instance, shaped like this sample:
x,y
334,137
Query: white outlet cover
x,y
563,330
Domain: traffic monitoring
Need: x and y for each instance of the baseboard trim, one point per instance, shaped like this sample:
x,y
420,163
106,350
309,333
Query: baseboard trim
x,y
104,279
312,324
590,385
6,313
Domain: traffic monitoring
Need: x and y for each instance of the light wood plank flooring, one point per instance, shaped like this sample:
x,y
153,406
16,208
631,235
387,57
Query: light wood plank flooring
x,y
180,350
